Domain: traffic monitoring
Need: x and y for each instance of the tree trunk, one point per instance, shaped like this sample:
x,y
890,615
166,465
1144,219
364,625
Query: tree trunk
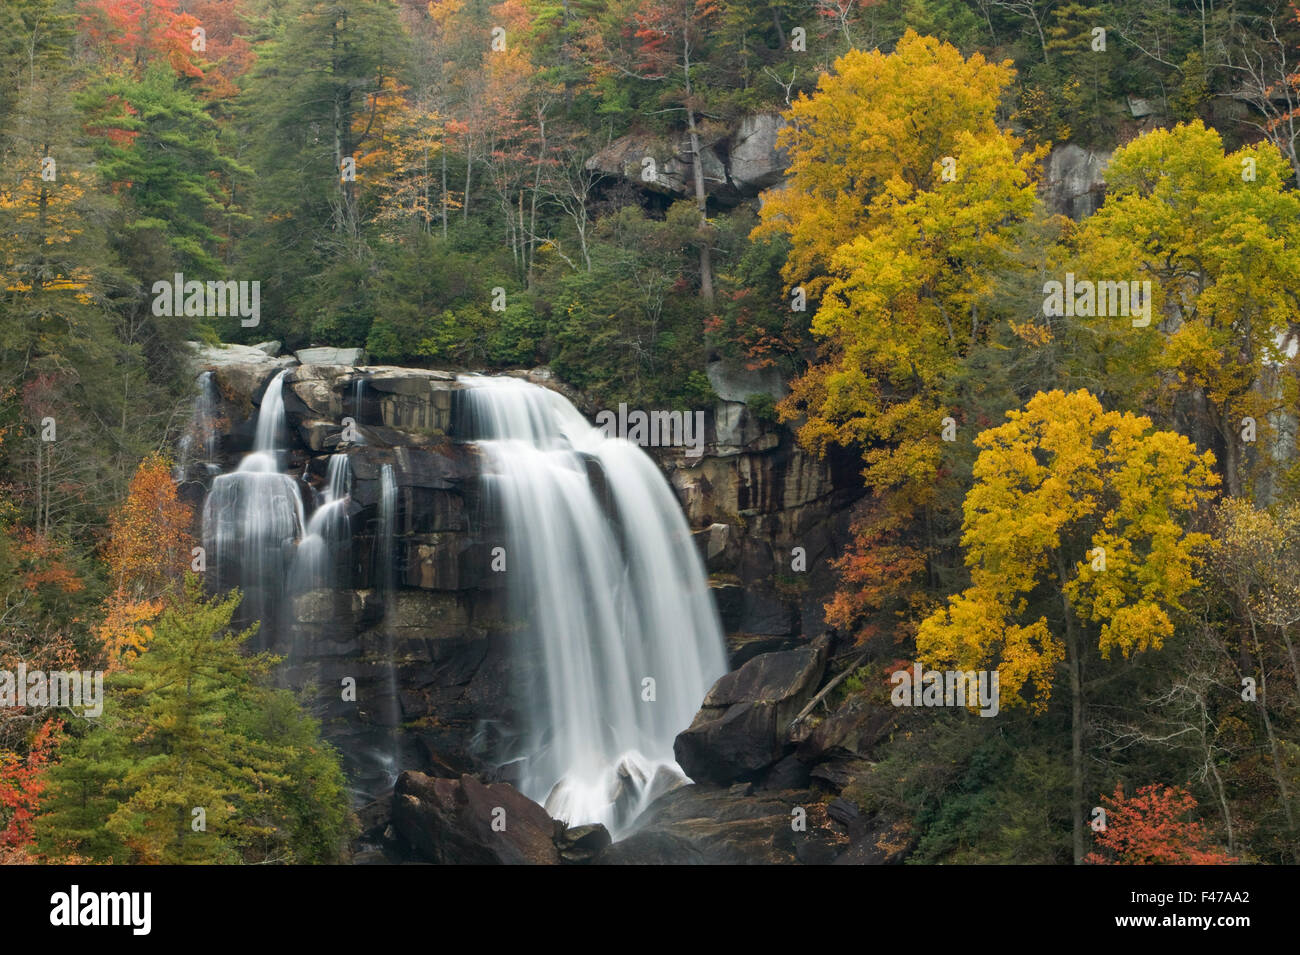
x,y
697,168
701,203
469,162
1279,771
1073,662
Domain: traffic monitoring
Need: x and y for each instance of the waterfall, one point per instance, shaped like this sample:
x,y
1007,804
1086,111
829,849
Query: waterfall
x,y
253,518
358,407
386,582
199,441
603,574
322,559
385,564
270,417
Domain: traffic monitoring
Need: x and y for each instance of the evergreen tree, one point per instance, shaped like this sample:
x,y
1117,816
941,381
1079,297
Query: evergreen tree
x,y
196,759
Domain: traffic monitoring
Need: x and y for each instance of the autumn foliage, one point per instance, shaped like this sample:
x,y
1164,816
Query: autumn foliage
x,y
138,32
1151,828
148,551
22,781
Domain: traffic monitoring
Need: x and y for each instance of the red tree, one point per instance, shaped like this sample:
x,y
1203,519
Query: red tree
x,y
21,783
1151,828
138,32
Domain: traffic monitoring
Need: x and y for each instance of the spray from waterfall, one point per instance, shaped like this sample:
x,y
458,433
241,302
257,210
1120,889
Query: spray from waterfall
x,y
618,625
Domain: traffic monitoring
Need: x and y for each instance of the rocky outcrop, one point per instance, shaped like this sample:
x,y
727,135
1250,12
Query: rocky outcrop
x,y
703,825
738,162
463,822
755,161
219,356
1074,182
743,726
325,355
770,517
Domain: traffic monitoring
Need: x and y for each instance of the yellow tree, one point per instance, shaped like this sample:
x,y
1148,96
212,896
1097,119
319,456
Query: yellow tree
x,y
1218,237
874,118
409,190
1076,532
148,551
907,302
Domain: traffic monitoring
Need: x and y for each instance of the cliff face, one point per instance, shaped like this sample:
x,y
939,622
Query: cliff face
x,y
432,656
436,638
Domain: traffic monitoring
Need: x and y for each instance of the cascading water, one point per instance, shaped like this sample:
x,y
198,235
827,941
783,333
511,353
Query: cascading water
x,y
613,597
253,518
386,581
358,407
322,557
198,443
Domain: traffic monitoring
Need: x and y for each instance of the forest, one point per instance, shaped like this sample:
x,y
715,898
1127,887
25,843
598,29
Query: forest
x,y
1097,498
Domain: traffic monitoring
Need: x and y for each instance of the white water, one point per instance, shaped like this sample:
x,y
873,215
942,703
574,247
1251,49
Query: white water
x,y
322,558
253,517
387,529
387,582
199,441
601,568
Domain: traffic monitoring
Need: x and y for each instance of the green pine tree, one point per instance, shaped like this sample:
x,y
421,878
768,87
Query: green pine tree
x,y
197,759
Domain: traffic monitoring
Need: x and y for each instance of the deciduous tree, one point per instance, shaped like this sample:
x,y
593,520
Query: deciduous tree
x,y
1077,530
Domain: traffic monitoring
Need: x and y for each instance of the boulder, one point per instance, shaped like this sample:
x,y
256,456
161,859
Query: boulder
x,y
581,844
324,355
652,848
854,728
454,822
738,161
724,826
1075,183
741,726
789,678
626,158
726,743
754,161
220,356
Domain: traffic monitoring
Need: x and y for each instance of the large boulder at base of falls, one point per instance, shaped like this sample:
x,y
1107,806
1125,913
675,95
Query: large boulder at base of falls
x,y
451,822
742,726
853,729
705,825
